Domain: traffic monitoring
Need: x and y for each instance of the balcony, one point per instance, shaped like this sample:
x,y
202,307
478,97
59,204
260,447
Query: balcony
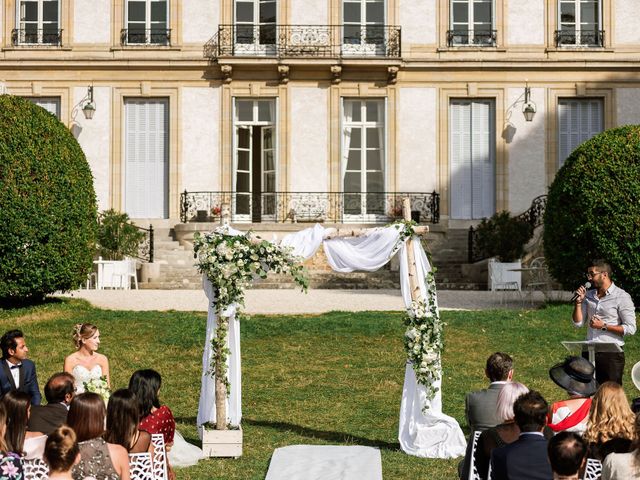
x,y
31,37
579,38
305,41
141,37
328,207
472,38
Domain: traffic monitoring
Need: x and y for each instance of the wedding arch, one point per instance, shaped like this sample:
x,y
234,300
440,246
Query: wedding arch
x,y
230,259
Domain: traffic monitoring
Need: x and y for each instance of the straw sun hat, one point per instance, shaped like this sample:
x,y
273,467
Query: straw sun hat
x,y
575,375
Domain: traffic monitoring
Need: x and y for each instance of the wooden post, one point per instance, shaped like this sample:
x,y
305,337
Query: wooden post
x,y
223,329
414,285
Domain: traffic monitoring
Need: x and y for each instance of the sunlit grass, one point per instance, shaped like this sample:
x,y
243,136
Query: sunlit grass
x,y
328,379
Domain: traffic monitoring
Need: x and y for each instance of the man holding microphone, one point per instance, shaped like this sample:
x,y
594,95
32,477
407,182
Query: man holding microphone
x,y
610,315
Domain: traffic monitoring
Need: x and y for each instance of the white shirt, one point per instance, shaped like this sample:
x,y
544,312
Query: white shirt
x,y
15,373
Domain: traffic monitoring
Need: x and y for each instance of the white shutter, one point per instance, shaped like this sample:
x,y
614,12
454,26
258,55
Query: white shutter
x,y
460,154
482,159
578,121
147,159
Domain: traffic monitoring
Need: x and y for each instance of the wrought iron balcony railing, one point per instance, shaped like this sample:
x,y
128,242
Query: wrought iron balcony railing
x,y
146,247
148,36
46,37
579,38
319,41
331,207
472,38
534,216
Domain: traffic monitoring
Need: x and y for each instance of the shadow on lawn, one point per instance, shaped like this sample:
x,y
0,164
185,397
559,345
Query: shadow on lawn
x,y
334,437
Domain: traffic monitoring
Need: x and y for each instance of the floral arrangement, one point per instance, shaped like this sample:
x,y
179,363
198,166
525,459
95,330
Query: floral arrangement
x,y
99,386
423,339
230,263
216,210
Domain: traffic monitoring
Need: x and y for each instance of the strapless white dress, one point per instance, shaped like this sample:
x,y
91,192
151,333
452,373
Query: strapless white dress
x,y
82,374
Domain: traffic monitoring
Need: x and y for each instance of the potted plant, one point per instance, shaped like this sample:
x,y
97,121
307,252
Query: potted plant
x,y
503,238
215,212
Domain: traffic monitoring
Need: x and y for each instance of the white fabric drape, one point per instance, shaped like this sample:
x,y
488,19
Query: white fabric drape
x,y
432,435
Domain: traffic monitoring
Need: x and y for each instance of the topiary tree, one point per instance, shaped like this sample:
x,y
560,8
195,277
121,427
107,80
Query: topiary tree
x,y
593,210
47,204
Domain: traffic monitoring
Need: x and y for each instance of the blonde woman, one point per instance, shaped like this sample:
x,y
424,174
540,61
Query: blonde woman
x,y
611,425
86,363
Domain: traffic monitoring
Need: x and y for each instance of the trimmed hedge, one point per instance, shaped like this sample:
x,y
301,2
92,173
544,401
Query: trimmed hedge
x,y
47,204
593,210
503,236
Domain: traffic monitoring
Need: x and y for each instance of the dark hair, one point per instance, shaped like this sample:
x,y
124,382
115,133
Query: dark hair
x,y
58,386
3,421
17,405
61,449
602,266
498,366
8,342
566,452
145,384
122,418
86,416
530,411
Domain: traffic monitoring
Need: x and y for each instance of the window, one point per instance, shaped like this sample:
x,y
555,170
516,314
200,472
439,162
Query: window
x,y
255,25
147,23
50,104
363,26
38,23
472,23
473,156
580,23
578,121
363,157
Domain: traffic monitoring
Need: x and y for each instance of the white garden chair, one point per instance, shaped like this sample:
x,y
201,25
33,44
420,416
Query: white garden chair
x,y
473,469
593,469
35,469
140,466
159,456
126,270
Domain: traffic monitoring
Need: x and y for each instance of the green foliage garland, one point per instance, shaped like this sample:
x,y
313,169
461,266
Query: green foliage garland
x,y
593,210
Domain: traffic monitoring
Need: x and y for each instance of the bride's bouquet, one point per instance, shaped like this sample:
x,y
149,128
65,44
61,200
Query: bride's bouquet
x,y
98,385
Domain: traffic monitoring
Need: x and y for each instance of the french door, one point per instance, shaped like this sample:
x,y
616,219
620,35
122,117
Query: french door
x,y
363,27
255,161
255,27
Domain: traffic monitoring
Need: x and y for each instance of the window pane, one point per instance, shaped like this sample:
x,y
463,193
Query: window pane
x,y
50,11
460,13
244,138
243,184
244,12
374,182
269,164
270,182
352,182
268,34
351,12
136,11
29,12
352,34
244,34
374,160
356,139
567,12
264,111
243,160
245,111
482,12
242,204
356,114
268,12
372,112
375,13
588,14
268,139
159,12
353,161
373,137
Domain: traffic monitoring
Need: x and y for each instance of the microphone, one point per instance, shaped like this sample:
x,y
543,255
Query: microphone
x,y
587,286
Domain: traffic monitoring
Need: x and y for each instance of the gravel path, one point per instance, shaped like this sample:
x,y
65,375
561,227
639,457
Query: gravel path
x,y
287,301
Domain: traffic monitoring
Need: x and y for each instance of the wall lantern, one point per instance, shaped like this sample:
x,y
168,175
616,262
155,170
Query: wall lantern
x,y
529,108
89,108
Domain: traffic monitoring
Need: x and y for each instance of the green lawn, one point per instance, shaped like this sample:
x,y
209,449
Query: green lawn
x,y
329,379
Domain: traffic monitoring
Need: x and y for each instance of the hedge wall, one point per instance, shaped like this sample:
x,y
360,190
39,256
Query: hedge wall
x,y
47,204
593,210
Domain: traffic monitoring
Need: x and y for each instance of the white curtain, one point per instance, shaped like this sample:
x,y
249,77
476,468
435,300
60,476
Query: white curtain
x,y
431,434
347,107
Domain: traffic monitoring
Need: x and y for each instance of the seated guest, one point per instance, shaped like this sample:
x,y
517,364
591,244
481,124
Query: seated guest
x,y
59,392
17,372
624,466
18,440
611,422
9,461
575,376
61,453
99,459
526,458
123,418
567,455
505,433
145,385
480,406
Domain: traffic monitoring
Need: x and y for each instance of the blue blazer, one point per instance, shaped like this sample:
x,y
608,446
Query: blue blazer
x,y
28,380
524,459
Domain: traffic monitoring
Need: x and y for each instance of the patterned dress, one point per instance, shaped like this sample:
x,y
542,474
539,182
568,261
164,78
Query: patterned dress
x,y
94,461
10,466
160,421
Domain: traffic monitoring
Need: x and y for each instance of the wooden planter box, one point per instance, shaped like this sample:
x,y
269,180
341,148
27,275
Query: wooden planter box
x,y
221,443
